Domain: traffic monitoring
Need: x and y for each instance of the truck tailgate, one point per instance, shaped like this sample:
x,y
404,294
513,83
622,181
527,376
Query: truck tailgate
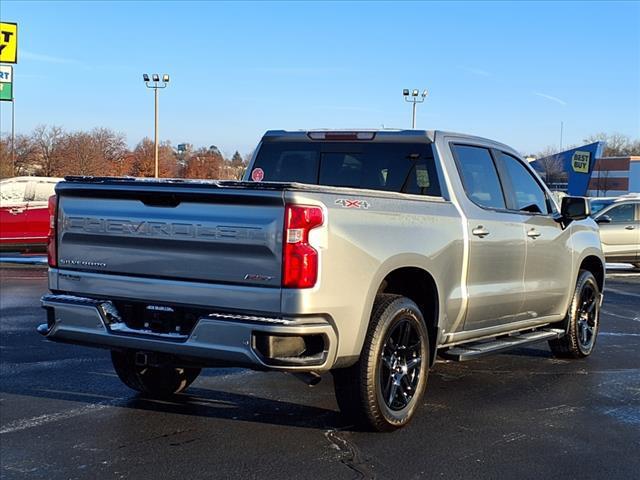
x,y
179,231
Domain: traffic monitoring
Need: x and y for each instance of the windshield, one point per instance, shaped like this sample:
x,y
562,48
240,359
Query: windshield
x,y
395,167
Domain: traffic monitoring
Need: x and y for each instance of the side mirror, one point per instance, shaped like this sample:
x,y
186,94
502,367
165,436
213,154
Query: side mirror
x,y
575,208
604,219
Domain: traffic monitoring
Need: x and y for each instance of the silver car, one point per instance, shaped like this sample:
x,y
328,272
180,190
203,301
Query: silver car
x,y
620,230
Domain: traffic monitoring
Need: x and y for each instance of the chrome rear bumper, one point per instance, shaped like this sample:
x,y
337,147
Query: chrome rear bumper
x,y
218,338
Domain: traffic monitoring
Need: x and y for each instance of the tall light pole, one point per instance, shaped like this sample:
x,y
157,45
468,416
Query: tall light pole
x,y
414,97
155,83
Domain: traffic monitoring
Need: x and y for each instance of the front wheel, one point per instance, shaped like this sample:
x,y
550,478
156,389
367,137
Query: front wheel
x,y
155,381
384,388
583,320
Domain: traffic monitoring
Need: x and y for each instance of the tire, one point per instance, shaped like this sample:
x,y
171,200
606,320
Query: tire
x,y
383,390
583,320
154,381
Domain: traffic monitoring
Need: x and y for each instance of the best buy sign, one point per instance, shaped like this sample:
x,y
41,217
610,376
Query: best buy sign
x,y
8,42
6,83
580,161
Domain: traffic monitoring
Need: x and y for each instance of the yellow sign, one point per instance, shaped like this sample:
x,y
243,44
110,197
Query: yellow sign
x,y
580,162
8,42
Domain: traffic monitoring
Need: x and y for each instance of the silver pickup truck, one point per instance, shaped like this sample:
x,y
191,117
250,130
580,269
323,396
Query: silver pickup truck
x,y
364,253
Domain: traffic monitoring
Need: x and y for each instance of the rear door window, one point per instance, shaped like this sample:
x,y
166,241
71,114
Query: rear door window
x,y
479,176
43,191
394,167
12,193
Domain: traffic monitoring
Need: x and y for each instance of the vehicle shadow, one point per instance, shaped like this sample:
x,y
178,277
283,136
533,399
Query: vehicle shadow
x,y
201,402
528,352
241,407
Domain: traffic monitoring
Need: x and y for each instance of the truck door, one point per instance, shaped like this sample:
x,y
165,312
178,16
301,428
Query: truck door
x,y
37,213
548,267
13,207
495,271
620,237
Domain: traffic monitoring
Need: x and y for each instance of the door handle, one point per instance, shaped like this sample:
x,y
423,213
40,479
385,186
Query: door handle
x,y
533,233
629,227
480,231
17,210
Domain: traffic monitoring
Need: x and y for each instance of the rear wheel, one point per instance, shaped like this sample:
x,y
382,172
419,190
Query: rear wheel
x,y
384,388
583,320
156,381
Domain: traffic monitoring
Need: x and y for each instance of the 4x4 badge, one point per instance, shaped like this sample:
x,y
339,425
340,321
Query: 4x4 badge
x,y
348,203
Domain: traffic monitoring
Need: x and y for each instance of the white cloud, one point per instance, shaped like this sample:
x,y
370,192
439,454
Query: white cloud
x,y
551,98
298,71
475,71
38,57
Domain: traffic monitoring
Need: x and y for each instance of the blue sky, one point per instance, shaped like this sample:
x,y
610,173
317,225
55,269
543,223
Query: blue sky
x,y
508,71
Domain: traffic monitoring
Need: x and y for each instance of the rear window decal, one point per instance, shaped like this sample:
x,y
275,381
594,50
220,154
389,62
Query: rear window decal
x,y
257,175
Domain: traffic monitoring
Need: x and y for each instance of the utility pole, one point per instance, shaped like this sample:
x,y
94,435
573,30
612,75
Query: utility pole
x,y
13,136
155,83
7,94
155,131
415,98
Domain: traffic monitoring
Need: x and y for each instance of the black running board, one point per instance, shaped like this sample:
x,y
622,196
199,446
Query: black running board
x,y
469,351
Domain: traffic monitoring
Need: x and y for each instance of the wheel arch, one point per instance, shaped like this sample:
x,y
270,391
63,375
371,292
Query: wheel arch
x,y
419,286
592,262
595,265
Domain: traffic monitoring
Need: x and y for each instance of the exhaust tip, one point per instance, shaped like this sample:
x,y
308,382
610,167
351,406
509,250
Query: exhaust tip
x,y
310,378
43,329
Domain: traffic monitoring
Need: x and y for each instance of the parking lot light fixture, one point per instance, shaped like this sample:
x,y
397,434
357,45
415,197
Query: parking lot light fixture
x,y
414,98
155,85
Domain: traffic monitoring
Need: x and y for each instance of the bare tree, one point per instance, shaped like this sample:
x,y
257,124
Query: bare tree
x,y
205,163
617,144
6,167
48,144
25,156
50,151
111,151
144,160
80,155
551,166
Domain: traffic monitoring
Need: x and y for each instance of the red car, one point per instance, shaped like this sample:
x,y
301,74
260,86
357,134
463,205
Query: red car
x,y
24,218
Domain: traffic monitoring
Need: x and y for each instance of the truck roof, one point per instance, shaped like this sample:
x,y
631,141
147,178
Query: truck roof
x,y
370,134
376,134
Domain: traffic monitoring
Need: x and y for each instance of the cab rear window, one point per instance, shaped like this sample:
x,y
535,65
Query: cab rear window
x,y
394,167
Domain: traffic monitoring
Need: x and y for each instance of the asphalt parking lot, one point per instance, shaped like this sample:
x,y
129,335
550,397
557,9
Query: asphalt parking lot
x,y
522,414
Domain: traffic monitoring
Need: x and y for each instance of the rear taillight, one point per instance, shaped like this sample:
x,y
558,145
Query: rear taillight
x,y
300,259
52,248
